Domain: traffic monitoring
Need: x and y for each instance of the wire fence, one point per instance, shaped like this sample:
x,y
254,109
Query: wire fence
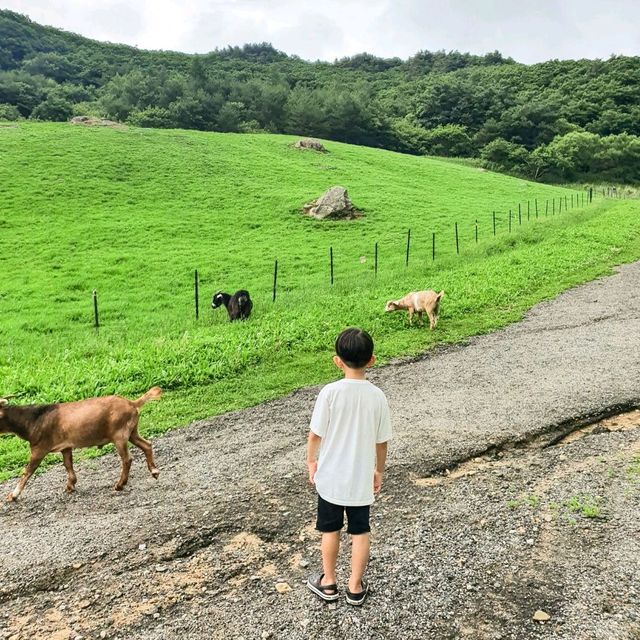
x,y
500,223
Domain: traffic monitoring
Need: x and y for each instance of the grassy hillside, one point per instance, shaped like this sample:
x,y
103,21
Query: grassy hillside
x,y
133,212
538,121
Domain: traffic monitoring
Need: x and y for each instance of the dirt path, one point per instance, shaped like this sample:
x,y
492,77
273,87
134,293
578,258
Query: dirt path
x,y
516,526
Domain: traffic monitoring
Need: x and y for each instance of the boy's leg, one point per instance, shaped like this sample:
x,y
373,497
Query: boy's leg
x,y
359,528
330,522
359,560
330,547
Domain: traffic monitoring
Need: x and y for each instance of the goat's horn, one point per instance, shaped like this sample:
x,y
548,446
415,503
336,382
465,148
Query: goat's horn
x,y
3,402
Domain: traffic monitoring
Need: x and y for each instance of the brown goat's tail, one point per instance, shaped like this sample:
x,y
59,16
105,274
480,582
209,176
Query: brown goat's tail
x,y
153,394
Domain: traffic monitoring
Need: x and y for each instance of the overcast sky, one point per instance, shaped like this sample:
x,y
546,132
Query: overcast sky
x,y
527,30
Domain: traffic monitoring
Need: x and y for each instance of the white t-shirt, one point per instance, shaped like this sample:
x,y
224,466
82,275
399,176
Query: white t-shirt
x,y
351,417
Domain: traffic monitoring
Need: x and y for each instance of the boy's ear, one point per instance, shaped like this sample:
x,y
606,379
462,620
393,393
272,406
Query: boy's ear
x,y
338,362
371,362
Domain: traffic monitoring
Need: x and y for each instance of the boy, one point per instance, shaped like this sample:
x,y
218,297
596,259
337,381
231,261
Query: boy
x,y
350,427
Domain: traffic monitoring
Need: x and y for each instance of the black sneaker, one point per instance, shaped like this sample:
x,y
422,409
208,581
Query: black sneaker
x,y
356,599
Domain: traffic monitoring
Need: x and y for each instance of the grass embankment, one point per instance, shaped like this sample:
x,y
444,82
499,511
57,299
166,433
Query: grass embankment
x,y
132,213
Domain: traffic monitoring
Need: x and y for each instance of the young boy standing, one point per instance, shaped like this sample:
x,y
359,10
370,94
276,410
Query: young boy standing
x,y
350,428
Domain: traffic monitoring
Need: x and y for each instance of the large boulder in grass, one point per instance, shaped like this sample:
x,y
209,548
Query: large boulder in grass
x,y
334,203
310,143
92,121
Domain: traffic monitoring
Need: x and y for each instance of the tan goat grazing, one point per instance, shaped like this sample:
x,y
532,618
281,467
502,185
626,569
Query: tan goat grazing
x,y
60,428
419,302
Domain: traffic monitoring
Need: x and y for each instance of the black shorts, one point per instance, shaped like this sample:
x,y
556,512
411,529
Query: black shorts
x,y
331,518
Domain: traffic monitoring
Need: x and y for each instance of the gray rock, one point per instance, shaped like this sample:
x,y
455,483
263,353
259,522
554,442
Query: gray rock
x,y
334,203
92,121
310,143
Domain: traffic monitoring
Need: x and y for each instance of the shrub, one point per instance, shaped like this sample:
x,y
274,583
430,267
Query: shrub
x,y
448,140
53,108
9,112
154,117
505,156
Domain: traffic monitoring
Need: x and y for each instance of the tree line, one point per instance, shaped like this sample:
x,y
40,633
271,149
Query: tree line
x,y
556,121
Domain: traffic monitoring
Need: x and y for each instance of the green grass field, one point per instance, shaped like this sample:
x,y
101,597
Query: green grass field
x,y
133,212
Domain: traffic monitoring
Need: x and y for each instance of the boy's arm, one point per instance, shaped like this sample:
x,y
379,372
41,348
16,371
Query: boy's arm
x,y
381,459
313,446
319,425
383,436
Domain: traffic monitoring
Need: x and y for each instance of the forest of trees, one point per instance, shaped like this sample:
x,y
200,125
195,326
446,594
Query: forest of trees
x,y
554,121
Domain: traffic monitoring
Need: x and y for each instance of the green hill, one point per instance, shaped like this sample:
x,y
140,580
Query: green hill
x,y
132,212
561,120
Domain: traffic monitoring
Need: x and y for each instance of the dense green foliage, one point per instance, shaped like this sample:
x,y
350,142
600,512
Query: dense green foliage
x,y
535,120
132,212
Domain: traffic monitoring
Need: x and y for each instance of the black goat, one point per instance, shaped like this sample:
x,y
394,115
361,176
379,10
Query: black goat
x,y
238,305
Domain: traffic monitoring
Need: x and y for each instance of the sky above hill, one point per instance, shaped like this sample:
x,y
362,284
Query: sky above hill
x,y
527,30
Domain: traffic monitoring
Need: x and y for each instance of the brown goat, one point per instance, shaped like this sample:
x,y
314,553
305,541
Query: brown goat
x,y
419,302
53,428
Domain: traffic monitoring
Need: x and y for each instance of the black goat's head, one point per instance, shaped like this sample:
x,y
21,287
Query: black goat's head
x,y
218,300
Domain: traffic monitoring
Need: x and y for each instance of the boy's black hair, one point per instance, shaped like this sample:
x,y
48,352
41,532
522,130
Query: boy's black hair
x,y
354,347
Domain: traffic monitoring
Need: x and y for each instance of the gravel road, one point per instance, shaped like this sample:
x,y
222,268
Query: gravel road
x,y
486,516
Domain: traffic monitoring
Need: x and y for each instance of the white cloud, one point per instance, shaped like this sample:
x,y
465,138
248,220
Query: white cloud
x,y
115,20
528,30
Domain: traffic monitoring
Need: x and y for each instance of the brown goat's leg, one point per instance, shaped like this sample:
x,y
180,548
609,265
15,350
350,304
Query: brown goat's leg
x,y
67,458
410,316
137,440
420,318
125,456
432,322
34,463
